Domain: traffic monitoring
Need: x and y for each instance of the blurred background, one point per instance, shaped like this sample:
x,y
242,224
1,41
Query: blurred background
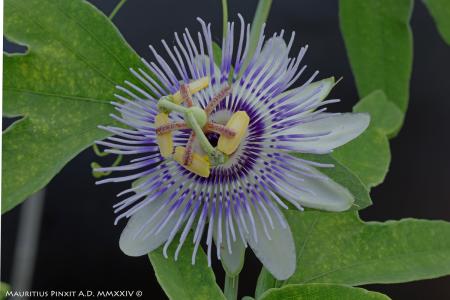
x,y
78,244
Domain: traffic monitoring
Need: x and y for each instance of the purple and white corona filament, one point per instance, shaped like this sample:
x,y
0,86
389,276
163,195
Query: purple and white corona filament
x,y
218,165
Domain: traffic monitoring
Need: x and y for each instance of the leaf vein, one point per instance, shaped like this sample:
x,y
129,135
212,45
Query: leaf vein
x,y
75,98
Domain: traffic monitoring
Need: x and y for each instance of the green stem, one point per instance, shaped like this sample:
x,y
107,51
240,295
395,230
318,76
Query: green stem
x,y
169,105
224,17
231,287
117,8
261,14
204,143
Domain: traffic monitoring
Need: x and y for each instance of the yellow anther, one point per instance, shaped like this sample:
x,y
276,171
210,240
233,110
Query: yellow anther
x,y
200,165
164,141
238,123
194,87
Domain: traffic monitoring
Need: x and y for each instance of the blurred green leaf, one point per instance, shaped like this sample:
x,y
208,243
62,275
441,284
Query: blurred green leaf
x,y
180,279
4,287
378,39
440,11
340,248
61,87
316,291
368,156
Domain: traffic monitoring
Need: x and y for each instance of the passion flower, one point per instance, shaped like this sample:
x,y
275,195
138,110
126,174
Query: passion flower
x,y
211,148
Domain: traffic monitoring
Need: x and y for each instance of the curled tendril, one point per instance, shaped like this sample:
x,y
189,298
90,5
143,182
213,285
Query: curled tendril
x,y
96,165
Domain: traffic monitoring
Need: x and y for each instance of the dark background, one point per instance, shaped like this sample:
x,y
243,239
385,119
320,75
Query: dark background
x,y
78,246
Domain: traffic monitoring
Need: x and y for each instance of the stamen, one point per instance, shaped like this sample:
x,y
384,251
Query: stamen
x,y
220,129
188,155
217,99
194,87
186,94
200,165
164,141
238,122
169,127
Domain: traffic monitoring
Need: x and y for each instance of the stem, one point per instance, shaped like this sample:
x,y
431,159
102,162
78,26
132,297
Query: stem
x,y
231,287
224,17
204,143
261,14
27,242
117,8
164,103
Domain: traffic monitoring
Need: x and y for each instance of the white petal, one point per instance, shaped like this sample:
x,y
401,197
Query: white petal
x,y
321,193
275,50
298,99
277,254
317,90
135,240
270,64
277,44
340,129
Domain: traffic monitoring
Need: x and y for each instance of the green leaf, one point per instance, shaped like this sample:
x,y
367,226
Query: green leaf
x,y
180,279
440,11
378,39
368,156
321,291
344,177
4,287
384,115
340,248
265,282
62,87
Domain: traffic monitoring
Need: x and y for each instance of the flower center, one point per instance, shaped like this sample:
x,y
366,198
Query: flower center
x,y
213,138
216,140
